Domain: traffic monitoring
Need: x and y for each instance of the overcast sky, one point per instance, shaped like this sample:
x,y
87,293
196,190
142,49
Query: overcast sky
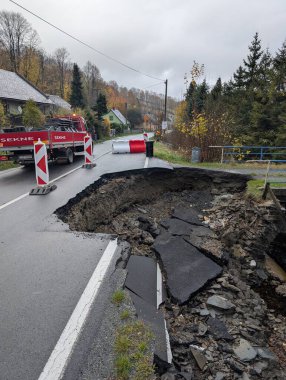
x,y
158,37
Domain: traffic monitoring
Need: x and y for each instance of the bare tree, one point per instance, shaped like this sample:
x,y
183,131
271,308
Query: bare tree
x,y
4,59
61,57
15,34
30,58
92,82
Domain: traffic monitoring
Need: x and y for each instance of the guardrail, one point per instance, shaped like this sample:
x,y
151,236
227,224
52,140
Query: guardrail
x,y
252,153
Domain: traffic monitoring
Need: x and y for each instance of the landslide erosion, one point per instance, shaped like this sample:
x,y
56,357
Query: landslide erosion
x,y
221,253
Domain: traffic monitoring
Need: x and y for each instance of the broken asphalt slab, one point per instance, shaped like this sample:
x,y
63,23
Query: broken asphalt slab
x,y
177,227
201,237
187,215
187,270
141,282
142,278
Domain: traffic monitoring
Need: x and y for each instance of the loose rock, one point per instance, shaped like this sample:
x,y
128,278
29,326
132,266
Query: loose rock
x,y
220,303
199,357
245,351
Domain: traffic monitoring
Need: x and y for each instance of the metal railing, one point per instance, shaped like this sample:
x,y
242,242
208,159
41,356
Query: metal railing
x,y
252,153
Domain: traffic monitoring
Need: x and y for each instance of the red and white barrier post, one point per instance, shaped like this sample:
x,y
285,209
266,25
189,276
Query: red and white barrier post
x,y
128,146
42,170
88,158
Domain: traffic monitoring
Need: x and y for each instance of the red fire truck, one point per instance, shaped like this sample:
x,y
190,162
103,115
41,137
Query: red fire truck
x,y
63,136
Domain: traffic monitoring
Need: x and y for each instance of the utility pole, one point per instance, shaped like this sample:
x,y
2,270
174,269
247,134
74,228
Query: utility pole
x,y
126,114
166,94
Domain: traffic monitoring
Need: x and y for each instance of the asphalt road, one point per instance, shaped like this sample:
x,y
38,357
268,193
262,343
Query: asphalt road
x,y
44,267
15,182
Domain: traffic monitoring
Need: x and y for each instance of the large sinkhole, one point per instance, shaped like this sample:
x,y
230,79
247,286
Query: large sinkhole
x,y
213,227
117,193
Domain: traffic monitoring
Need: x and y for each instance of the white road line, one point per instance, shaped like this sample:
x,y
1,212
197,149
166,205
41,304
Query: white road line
x,y
159,301
26,194
169,351
53,180
159,286
13,201
146,163
57,362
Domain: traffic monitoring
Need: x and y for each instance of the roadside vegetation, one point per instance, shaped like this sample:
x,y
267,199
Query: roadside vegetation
x,y
255,187
133,355
133,343
7,165
118,297
247,110
177,156
125,314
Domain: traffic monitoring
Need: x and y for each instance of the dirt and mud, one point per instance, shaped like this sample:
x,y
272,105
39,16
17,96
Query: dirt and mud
x,y
234,327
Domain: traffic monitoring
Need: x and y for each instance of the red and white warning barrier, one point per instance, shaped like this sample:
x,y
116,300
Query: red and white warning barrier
x,y
88,158
131,146
42,170
145,136
87,149
137,146
120,146
41,163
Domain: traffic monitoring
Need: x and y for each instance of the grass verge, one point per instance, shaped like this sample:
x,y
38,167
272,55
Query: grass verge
x,y
133,356
165,152
255,187
4,165
118,297
125,314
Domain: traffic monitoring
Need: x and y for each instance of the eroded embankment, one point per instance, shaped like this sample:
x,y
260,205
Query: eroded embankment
x,y
224,328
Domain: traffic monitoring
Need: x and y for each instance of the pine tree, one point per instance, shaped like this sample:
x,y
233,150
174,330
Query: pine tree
x,y
265,66
190,98
76,98
279,64
217,90
238,77
200,96
252,68
101,106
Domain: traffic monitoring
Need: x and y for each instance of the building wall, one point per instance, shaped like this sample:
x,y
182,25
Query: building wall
x,y
113,118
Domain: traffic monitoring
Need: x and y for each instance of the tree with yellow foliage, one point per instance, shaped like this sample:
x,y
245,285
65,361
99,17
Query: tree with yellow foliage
x,y
3,117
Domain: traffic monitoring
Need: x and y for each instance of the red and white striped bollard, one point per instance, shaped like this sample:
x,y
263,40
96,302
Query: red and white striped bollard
x,y
88,158
41,169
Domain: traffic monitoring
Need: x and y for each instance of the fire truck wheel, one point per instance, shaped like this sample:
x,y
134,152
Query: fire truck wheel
x,y
70,156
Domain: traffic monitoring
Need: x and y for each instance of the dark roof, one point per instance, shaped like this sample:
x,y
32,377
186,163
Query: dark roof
x,y
60,102
14,86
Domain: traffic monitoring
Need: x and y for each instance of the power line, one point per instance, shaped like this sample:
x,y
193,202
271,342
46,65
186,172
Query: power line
x,y
85,44
152,85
